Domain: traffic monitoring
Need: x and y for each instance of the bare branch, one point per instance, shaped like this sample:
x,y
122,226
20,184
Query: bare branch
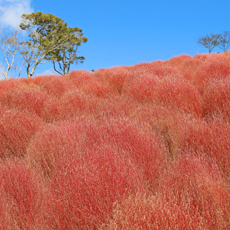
x,y
210,41
225,40
10,46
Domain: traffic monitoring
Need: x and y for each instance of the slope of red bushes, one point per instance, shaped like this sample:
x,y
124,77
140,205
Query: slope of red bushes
x,y
139,147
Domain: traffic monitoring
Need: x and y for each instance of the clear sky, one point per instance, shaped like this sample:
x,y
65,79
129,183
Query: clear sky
x,y
126,32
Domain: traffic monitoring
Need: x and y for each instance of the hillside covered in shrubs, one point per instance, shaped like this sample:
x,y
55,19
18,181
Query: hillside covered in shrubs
x,y
139,147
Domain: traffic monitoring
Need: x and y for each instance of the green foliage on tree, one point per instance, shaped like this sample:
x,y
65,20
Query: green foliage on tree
x,y
50,40
67,53
210,41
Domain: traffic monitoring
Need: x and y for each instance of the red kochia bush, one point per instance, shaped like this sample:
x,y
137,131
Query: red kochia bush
x,y
86,82
149,213
209,139
6,85
180,95
53,85
192,195
2,110
215,67
163,121
196,183
177,94
113,77
142,88
86,185
25,99
80,77
72,104
216,99
159,69
57,141
21,196
16,130
141,144
177,61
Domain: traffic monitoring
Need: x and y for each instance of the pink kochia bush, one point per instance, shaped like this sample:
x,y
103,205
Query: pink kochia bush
x,y
85,186
216,99
73,104
16,130
22,196
44,150
130,147
142,145
177,94
192,195
195,183
53,85
25,98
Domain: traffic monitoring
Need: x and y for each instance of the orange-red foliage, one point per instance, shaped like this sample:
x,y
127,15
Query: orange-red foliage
x,y
86,185
177,94
216,99
139,147
113,77
158,68
215,67
88,83
209,139
21,197
141,144
72,104
196,183
148,213
53,85
7,85
25,98
16,130
57,141
2,110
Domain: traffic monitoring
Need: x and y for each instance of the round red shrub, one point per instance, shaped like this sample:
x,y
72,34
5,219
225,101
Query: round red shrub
x,y
207,139
177,94
196,183
86,186
2,110
72,104
56,141
16,130
25,99
89,84
180,95
216,99
215,67
143,145
80,77
163,121
148,213
113,77
55,86
22,196
6,85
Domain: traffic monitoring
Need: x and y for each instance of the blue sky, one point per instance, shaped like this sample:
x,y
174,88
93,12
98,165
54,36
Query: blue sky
x,y
129,32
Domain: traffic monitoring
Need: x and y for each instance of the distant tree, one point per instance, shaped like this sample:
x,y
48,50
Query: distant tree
x,y
225,40
10,45
66,54
210,41
49,40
